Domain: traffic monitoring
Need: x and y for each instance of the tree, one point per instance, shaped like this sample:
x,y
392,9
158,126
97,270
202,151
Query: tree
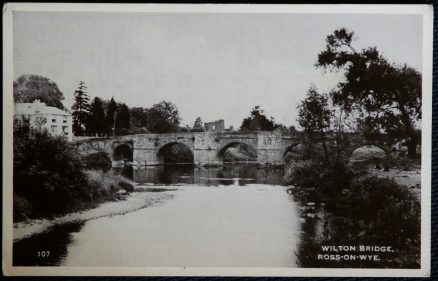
x,y
139,117
96,120
163,118
28,88
314,116
386,94
258,121
110,116
198,127
80,109
47,173
123,120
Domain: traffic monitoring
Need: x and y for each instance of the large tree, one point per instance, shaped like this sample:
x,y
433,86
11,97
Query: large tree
x,y
314,115
258,121
388,96
28,88
139,117
197,126
163,118
110,116
123,120
81,108
96,121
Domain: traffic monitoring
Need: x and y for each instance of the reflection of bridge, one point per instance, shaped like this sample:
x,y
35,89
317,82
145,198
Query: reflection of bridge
x,y
206,147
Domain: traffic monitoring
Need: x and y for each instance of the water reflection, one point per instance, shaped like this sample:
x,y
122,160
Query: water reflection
x,y
243,174
199,226
54,243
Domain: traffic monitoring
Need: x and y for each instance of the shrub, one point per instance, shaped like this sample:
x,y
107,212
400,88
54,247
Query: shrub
x,y
104,186
22,208
47,173
97,160
328,179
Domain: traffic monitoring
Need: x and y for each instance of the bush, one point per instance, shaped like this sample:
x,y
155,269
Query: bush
x,y
328,179
105,186
47,173
22,208
97,160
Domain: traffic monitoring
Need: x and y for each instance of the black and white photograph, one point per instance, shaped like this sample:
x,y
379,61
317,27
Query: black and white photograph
x,y
249,140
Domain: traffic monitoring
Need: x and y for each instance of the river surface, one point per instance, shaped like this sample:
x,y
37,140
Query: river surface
x,y
230,216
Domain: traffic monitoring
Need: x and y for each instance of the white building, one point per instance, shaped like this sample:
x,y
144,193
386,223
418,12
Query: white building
x,y
56,121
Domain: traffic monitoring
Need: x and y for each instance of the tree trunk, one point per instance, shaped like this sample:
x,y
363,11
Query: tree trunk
x,y
324,146
412,147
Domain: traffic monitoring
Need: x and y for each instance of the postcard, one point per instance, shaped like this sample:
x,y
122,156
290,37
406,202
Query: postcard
x,y
217,140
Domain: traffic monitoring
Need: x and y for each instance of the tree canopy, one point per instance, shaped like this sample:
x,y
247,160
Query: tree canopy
x,y
110,115
388,96
258,121
123,119
28,88
96,122
314,115
197,126
81,108
163,118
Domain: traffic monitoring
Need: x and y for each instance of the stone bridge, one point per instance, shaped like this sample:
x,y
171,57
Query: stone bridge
x,y
207,148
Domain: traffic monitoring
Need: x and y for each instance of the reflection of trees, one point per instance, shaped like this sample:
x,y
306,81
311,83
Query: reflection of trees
x,y
373,212
168,174
172,174
56,240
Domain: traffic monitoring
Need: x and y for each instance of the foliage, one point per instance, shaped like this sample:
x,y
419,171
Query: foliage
x,y
163,118
258,121
198,127
28,88
110,116
80,109
139,119
123,120
98,159
105,185
96,121
315,116
329,179
239,152
387,95
363,211
47,173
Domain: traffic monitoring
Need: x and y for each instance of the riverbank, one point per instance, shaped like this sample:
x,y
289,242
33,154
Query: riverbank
x,y
134,201
409,179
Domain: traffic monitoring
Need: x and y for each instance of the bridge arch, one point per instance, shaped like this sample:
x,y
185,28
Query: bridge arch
x,y
292,148
175,152
123,151
292,152
380,147
241,152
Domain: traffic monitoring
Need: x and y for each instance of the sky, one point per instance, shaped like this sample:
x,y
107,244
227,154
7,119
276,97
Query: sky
x,y
211,65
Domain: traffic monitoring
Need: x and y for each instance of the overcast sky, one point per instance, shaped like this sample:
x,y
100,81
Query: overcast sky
x,y
216,66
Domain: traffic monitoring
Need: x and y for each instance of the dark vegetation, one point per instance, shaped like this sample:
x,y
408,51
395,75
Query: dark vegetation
x,y
28,88
361,210
50,179
239,152
344,205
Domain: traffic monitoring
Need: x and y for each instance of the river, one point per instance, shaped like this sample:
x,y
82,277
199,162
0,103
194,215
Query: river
x,y
230,216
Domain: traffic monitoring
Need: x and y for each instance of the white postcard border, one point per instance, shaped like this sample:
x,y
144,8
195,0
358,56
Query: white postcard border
x,y
425,10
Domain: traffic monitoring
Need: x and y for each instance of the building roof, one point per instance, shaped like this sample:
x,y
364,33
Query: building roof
x,y
36,108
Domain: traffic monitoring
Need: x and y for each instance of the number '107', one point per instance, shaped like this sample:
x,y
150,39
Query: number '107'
x,y
43,254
